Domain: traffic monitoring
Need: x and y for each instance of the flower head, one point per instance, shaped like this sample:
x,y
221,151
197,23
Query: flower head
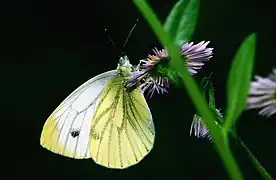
x,y
153,73
199,129
196,55
262,94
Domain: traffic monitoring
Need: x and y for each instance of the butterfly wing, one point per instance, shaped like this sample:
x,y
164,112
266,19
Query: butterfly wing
x,y
122,131
66,131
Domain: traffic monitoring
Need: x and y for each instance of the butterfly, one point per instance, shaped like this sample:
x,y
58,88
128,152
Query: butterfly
x,y
102,120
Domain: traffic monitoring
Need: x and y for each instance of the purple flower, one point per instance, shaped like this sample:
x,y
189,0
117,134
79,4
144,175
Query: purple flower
x,y
262,94
196,55
199,129
148,75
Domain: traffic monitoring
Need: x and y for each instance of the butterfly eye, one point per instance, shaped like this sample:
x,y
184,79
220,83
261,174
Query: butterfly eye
x,y
75,133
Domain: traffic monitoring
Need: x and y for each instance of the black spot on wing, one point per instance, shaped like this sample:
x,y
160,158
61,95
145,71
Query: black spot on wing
x,y
75,133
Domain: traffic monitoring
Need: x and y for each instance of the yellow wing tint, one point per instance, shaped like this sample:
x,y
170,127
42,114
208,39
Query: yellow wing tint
x,y
53,140
66,131
122,131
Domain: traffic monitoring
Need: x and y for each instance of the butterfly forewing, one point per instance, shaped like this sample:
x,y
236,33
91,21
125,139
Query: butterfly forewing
x,y
66,131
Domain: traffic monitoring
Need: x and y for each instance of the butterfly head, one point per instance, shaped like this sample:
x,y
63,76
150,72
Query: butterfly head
x,y
124,67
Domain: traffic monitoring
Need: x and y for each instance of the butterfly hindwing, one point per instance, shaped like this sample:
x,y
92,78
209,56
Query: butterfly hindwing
x,y
122,131
66,131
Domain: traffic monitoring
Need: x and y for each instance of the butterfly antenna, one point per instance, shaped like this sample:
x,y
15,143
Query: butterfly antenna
x,y
110,39
129,34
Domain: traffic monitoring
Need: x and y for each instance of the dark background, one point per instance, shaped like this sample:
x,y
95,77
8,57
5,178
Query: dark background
x,y
49,48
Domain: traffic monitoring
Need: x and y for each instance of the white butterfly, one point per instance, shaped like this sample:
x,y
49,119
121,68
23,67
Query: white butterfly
x,y
103,120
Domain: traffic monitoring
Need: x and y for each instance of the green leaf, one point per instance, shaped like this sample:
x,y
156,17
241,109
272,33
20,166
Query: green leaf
x,y
205,82
180,23
239,80
212,102
207,85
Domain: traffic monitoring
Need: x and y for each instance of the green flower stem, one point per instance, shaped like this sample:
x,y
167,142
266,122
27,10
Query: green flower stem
x,y
254,160
220,138
256,163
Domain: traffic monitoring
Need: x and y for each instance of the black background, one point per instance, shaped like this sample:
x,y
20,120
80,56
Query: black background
x,y
50,48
